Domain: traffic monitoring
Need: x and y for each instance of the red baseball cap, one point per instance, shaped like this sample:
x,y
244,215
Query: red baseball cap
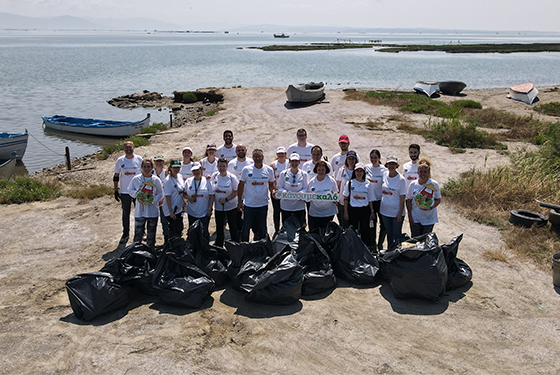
x,y
343,139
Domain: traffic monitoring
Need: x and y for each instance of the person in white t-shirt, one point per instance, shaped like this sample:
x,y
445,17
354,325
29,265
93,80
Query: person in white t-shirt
x,y
236,165
159,170
148,191
392,201
228,149
422,199
301,147
210,162
255,183
410,169
126,167
374,174
337,160
358,203
174,204
321,212
187,163
343,175
278,166
200,196
294,180
225,186
309,166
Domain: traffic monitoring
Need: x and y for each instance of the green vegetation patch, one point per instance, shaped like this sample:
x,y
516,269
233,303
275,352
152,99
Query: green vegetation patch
x,y
456,135
474,48
87,192
550,109
107,150
154,128
26,189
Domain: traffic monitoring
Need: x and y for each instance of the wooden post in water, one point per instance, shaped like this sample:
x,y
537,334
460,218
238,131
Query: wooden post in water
x,y
68,164
171,120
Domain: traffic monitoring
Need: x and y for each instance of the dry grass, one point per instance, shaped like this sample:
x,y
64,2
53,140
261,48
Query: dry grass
x,y
500,255
84,193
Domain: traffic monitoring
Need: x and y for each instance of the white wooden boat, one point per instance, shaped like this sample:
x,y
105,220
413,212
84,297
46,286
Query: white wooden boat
x,y
13,142
452,87
105,128
427,87
7,168
525,92
306,92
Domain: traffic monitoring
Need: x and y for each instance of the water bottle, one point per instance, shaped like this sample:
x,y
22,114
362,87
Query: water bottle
x,y
371,222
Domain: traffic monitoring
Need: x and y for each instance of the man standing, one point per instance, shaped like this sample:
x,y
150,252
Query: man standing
x,y
126,167
410,169
309,167
337,161
236,165
256,181
301,147
228,149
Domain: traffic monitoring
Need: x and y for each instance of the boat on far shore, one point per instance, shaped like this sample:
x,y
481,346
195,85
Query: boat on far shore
x,y
13,142
451,87
427,87
282,35
525,92
105,128
306,92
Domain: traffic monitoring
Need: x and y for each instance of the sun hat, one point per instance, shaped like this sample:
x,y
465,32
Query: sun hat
x,y
360,166
392,159
187,148
159,157
280,150
294,156
343,139
175,163
195,166
211,146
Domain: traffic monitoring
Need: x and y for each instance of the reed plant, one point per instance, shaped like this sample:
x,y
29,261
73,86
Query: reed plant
x,y
27,189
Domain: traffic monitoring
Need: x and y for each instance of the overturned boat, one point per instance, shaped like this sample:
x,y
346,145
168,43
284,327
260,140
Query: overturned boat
x,y
452,87
105,128
525,92
306,93
427,87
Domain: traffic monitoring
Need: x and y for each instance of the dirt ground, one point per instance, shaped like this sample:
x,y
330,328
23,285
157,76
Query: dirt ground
x,y
505,322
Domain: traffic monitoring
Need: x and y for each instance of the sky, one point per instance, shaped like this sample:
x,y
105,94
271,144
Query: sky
x,y
514,15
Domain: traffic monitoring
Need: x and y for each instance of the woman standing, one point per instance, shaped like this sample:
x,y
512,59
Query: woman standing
x,y
358,203
225,185
321,212
209,163
293,180
159,170
148,191
374,174
422,199
200,196
343,175
392,201
278,165
173,204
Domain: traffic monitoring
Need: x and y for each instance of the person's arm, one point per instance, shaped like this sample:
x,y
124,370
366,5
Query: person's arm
x,y
401,208
409,210
437,201
211,205
240,190
116,178
346,194
171,211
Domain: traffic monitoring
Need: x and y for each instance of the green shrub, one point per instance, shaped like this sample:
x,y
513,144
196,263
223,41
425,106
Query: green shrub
x,y
118,146
26,189
551,109
454,134
466,104
154,128
189,97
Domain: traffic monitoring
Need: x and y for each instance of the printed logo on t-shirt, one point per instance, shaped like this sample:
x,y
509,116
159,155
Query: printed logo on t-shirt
x,y
255,183
127,173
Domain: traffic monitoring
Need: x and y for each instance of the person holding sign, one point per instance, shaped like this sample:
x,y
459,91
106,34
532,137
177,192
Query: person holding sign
x,y
321,212
393,192
173,205
200,196
293,180
422,199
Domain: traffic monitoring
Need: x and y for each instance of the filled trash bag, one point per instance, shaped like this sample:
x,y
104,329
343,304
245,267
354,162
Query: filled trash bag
x,y
179,281
287,235
277,281
96,293
351,259
134,267
242,252
208,258
458,272
417,268
328,237
318,274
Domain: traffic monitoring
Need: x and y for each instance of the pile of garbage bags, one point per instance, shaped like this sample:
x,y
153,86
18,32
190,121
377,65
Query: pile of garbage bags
x,y
280,271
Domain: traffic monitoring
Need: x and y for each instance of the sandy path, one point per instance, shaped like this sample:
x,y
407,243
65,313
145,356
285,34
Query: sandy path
x,y
505,322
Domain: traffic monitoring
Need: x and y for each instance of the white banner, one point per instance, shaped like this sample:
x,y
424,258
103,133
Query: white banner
x,y
332,197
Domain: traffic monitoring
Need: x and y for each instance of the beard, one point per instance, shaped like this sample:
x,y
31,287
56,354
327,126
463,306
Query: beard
x,y
241,155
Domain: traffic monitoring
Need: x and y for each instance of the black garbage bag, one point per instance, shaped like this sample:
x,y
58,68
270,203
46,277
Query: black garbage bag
x,y
207,257
417,268
329,237
277,281
178,280
318,274
134,267
96,293
242,252
458,272
287,235
352,260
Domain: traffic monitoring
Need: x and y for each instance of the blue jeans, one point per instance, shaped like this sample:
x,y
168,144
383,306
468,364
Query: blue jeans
x,y
254,216
164,223
394,230
126,204
140,224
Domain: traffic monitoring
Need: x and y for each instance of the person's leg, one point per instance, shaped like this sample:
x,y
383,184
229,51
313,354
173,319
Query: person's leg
x,y
382,230
232,224
139,228
249,217
220,218
300,215
313,222
205,221
353,217
239,221
363,218
285,215
415,229
151,235
340,216
427,229
164,224
397,230
388,221
126,204
192,219
260,220
276,212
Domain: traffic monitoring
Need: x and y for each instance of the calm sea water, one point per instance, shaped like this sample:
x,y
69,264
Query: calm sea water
x,y
75,73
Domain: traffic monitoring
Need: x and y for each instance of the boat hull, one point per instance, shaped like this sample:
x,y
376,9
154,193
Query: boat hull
x,y
103,128
428,88
7,168
12,142
525,92
306,93
452,87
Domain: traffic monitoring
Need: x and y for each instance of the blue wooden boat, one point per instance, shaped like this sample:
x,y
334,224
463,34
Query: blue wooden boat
x,y
7,168
13,142
106,128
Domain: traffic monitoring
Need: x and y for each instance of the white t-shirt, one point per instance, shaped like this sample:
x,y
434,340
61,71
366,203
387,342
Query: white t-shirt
x,y
322,208
308,168
256,185
227,153
208,168
410,172
148,191
375,177
303,152
392,189
288,181
223,187
338,160
127,169
424,195
202,190
173,188
278,167
235,166
361,193
343,175
186,170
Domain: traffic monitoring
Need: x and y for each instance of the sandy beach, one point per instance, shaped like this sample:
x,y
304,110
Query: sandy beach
x,y
506,321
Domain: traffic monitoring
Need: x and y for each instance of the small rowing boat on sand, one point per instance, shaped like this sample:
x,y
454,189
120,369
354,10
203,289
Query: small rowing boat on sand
x,y
306,93
525,92
451,87
13,142
106,128
427,87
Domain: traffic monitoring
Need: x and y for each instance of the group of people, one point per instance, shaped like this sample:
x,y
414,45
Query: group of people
x,y
236,189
